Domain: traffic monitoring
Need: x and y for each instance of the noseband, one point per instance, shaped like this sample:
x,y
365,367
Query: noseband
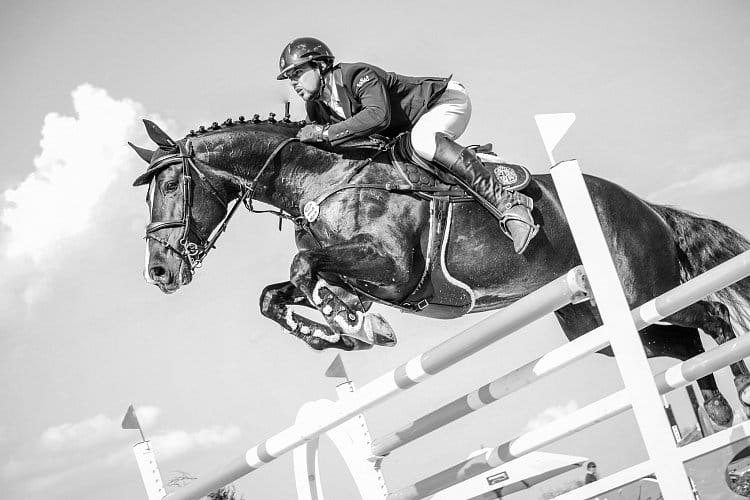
x,y
194,253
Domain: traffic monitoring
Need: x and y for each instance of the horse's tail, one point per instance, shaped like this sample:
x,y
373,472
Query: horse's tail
x,y
705,243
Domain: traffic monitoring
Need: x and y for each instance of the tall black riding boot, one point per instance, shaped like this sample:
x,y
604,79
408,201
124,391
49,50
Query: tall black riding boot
x,y
512,209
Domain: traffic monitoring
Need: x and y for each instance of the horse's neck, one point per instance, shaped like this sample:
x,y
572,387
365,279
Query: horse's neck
x,y
296,169
302,172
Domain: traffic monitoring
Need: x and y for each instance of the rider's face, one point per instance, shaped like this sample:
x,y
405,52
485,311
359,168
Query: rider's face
x,y
306,81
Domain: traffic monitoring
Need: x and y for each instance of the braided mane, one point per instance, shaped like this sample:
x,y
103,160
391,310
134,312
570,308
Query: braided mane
x,y
292,126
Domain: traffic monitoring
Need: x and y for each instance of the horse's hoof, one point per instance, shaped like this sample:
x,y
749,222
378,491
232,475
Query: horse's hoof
x,y
719,411
742,383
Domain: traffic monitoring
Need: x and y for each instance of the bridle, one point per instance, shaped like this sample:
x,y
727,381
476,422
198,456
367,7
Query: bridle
x,y
190,252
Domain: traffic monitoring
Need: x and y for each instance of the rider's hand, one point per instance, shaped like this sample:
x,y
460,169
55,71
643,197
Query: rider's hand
x,y
312,133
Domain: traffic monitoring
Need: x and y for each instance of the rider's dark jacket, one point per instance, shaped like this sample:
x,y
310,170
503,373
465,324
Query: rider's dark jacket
x,y
375,101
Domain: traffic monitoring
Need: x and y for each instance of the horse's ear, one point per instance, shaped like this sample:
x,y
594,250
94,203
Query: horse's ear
x,y
158,135
145,154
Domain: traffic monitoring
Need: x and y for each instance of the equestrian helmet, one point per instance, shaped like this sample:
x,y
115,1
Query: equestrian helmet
x,y
301,51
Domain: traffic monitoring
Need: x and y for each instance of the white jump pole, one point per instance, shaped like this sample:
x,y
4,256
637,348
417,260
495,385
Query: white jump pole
x,y
512,477
674,377
695,449
668,303
545,300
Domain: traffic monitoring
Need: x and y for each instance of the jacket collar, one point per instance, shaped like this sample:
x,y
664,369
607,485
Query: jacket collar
x,y
346,102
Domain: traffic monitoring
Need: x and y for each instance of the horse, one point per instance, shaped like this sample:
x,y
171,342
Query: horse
x,y
363,236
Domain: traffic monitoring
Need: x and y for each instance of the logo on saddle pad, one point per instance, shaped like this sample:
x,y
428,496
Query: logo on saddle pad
x,y
505,175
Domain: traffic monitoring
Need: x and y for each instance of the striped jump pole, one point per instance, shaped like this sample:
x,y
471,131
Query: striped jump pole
x,y
564,290
672,378
688,452
668,303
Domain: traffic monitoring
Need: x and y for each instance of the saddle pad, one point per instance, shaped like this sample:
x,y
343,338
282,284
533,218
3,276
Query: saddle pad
x,y
512,177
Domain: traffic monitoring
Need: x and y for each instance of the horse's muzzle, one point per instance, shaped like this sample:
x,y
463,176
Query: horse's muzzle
x,y
166,280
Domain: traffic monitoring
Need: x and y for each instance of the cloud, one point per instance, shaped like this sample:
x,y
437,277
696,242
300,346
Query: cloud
x,y
74,185
64,448
551,414
175,443
68,453
727,177
81,157
93,431
83,434
58,472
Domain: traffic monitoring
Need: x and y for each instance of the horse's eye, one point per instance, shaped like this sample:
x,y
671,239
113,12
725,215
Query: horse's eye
x,y
170,186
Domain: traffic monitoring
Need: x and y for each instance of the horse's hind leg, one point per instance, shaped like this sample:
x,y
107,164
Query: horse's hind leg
x,y
713,318
680,342
274,302
683,343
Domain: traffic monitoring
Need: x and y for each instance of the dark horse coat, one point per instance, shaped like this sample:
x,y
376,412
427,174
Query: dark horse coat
x,y
367,243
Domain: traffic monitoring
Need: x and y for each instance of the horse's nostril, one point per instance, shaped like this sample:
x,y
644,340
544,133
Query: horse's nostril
x,y
157,272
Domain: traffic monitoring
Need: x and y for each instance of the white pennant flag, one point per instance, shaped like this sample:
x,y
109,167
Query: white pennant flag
x,y
553,127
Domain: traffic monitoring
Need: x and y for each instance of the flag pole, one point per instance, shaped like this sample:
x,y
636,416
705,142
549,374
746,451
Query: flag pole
x,y
144,456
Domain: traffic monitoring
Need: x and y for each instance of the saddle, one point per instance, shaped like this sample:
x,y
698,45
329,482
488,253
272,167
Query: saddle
x,y
429,177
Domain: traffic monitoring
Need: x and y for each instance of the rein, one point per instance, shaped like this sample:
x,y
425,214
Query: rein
x,y
194,253
249,189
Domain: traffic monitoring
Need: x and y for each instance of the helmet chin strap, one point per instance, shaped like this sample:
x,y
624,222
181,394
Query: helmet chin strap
x,y
322,87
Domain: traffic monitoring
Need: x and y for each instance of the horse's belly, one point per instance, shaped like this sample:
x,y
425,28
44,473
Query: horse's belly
x,y
478,254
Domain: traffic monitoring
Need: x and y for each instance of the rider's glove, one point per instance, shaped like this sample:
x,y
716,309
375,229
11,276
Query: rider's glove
x,y
312,133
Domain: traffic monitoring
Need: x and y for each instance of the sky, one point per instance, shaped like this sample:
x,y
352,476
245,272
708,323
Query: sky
x,y
662,95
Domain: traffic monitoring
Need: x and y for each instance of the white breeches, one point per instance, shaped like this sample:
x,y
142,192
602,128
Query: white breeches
x,y
450,114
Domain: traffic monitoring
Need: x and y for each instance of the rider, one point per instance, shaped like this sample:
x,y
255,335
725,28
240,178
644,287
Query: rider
x,y
359,99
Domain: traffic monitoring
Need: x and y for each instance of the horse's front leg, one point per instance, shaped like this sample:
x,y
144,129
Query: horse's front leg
x,y
274,304
359,259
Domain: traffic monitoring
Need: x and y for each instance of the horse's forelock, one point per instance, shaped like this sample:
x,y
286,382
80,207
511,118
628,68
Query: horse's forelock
x,y
152,169
150,196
